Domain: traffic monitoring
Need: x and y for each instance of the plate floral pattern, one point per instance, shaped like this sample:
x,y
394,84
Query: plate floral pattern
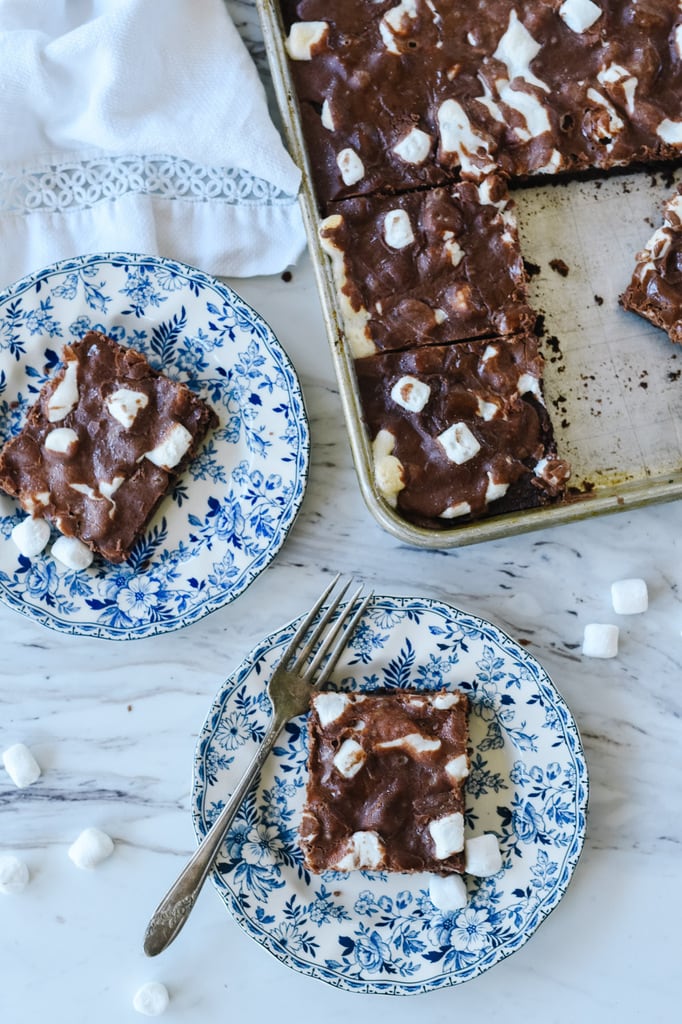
x,y
230,513
376,931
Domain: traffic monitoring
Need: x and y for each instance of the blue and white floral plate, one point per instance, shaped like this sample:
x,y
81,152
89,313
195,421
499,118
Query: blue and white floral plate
x,y
378,932
231,512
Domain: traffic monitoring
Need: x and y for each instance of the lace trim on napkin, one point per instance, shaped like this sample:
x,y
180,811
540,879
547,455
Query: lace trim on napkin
x,y
80,184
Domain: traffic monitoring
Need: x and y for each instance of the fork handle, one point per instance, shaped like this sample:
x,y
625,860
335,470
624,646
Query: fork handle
x,y
177,904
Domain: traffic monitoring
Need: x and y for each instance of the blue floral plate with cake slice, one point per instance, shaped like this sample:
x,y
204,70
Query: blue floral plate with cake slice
x,y
228,516
378,932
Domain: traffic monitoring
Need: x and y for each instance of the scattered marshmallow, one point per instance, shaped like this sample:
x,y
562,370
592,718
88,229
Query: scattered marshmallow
x,y
21,765
482,855
151,999
13,874
600,640
629,597
72,553
31,536
447,892
91,848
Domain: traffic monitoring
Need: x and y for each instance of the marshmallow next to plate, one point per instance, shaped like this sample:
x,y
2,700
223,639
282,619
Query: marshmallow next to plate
x,y
91,848
600,640
151,999
482,856
13,874
21,765
629,597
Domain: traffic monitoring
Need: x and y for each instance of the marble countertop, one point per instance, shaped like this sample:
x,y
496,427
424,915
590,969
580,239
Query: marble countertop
x,y
114,727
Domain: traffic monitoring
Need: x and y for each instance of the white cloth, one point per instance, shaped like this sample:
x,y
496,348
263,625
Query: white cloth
x,y
138,125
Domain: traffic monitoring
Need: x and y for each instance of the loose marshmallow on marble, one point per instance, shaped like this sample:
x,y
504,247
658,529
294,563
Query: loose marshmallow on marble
x,y
91,848
151,999
72,553
629,597
447,892
31,536
482,856
14,874
21,765
600,640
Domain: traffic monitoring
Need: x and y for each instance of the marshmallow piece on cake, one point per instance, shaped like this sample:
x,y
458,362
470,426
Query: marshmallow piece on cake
x,y
482,855
151,999
14,874
629,597
600,640
31,536
91,848
21,765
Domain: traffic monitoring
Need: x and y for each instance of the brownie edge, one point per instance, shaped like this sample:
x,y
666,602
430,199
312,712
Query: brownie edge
x,y
103,444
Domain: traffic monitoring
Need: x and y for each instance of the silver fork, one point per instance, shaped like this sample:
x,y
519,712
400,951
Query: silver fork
x,y
290,688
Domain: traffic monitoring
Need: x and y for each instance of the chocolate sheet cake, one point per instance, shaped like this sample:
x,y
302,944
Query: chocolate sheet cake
x,y
386,776
458,431
531,88
408,107
102,445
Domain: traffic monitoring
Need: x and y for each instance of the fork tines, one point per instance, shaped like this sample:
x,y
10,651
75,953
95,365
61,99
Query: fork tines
x,y
333,642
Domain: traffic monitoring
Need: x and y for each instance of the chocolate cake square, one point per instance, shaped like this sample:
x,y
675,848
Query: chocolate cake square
x,y
460,431
386,775
103,443
427,267
655,291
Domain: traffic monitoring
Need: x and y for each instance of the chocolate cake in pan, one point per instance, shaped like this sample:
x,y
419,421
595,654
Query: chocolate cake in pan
x,y
430,266
460,431
655,291
419,92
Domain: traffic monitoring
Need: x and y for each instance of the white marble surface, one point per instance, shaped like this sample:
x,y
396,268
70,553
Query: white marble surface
x,y
114,726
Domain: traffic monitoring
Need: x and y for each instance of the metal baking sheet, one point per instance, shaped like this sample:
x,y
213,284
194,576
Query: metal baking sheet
x,y
613,383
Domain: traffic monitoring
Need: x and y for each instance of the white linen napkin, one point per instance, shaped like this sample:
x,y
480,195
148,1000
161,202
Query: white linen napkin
x,y
138,125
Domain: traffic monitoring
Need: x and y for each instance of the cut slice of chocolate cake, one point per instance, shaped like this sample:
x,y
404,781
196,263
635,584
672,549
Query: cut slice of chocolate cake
x,y
104,442
655,291
428,267
386,776
460,431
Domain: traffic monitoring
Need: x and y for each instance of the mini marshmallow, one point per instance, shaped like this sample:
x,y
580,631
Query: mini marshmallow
x,y
91,848
349,758
31,536
629,597
350,165
459,443
579,15
303,37
411,393
414,147
172,447
14,875
447,892
482,855
61,441
72,553
600,640
151,999
447,834
398,229
64,398
21,765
